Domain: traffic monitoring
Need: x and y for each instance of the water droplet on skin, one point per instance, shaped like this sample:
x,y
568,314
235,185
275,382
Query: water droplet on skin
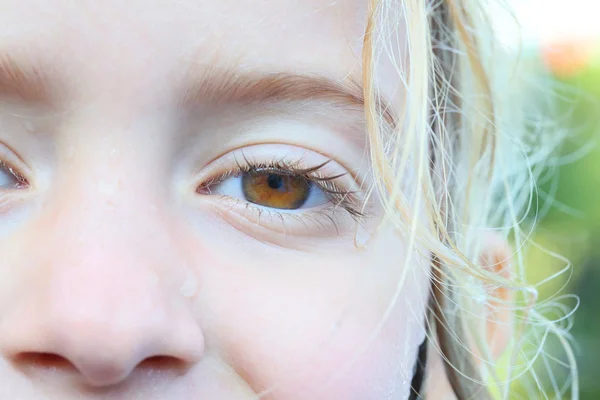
x,y
29,126
189,286
362,237
108,187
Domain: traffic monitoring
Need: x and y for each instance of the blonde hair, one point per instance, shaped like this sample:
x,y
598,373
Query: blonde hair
x,y
476,161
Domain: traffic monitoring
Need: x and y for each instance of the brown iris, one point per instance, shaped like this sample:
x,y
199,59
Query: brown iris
x,y
275,190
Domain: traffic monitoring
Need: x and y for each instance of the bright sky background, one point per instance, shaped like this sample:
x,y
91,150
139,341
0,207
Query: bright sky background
x,y
552,20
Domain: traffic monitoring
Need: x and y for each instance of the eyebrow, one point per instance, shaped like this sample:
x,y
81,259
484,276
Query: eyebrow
x,y
215,87
219,87
27,84
231,87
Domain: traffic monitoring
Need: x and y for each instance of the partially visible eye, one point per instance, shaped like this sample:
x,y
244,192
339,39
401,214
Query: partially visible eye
x,y
9,179
291,184
273,189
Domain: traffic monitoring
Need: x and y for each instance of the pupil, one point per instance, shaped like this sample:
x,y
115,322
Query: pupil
x,y
275,181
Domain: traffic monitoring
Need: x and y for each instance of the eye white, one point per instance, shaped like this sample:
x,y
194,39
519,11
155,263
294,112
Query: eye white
x,y
232,187
7,179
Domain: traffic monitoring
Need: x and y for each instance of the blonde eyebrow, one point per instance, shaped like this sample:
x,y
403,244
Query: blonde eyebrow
x,y
213,87
228,87
29,85
219,87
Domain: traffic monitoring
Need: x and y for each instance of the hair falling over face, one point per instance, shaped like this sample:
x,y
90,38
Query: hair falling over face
x,y
478,161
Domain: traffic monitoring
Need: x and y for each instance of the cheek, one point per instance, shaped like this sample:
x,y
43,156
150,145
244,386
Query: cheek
x,y
298,326
355,362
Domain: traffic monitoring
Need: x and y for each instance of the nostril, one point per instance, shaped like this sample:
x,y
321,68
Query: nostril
x,y
98,375
43,361
163,363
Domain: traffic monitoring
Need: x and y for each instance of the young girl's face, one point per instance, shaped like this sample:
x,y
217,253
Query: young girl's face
x,y
182,208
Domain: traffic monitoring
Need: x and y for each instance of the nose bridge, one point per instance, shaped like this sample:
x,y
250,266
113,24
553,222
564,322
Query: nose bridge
x,y
101,249
102,202
96,234
109,174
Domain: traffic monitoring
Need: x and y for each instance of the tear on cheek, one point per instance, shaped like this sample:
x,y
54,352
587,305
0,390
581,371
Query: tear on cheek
x,y
189,286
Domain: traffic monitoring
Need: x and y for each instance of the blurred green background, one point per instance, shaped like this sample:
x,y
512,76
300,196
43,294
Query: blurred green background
x,y
562,39
571,225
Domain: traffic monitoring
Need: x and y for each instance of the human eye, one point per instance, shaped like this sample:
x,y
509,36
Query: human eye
x,y
302,186
10,178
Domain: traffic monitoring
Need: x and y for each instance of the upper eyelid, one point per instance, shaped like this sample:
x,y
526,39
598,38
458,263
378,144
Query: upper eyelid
x,y
222,163
311,172
7,151
276,168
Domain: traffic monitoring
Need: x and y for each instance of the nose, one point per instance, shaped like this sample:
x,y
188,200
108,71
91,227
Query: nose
x,y
100,335
99,309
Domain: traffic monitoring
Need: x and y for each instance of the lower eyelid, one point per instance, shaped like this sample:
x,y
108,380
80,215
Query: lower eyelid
x,y
284,211
318,221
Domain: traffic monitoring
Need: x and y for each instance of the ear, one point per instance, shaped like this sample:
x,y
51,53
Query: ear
x,y
496,255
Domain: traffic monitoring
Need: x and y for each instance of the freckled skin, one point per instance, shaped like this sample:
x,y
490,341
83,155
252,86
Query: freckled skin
x,y
137,286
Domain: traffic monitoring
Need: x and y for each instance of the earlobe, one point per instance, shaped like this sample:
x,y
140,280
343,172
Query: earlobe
x,y
497,323
496,256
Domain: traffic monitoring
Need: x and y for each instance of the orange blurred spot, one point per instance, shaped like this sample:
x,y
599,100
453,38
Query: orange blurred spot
x,y
567,58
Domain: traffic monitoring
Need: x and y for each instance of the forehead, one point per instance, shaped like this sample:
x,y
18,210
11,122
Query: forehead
x,y
304,36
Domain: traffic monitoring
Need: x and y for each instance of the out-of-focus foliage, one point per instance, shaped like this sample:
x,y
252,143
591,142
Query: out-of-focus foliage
x,y
571,227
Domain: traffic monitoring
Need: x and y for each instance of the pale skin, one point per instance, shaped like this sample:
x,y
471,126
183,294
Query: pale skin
x,y
120,279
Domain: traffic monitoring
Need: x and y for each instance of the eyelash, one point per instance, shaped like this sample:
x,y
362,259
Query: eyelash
x,y
348,200
21,180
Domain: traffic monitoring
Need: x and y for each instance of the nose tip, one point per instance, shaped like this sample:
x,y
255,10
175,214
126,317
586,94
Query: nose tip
x,y
109,372
108,359
99,362
104,372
